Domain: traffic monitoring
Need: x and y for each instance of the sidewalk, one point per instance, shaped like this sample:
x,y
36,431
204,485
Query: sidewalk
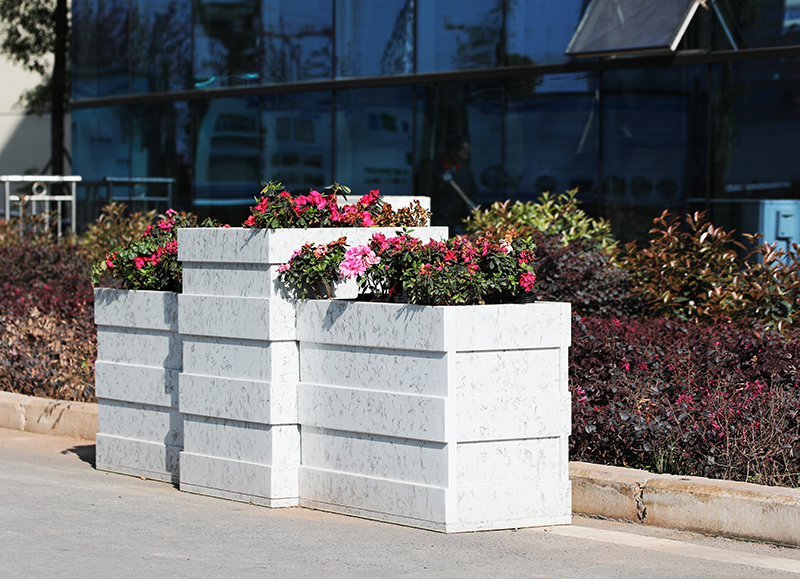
x,y
59,517
695,504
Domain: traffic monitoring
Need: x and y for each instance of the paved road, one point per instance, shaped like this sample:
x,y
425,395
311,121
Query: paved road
x,y
59,517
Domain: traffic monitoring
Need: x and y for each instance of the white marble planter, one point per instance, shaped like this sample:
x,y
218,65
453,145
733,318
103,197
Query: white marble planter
x,y
238,388
140,430
447,418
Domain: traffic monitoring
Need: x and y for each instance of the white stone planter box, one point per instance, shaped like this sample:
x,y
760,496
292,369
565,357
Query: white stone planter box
x,y
140,430
447,418
238,388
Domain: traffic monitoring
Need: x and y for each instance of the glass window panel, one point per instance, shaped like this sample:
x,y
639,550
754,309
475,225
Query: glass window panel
x,y
296,140
100,64
552,137
756,142
161,148
227,160
374,38
101,148
161,45
458,35
226,43
374,140
767,23
654,138
612,26
449,113
538,31
297,40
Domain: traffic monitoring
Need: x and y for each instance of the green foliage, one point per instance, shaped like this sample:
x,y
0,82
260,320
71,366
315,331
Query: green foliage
x,y
114,228
313,269
557,215
701,273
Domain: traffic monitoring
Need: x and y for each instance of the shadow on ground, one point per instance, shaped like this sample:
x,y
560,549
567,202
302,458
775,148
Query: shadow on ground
x,y
86,453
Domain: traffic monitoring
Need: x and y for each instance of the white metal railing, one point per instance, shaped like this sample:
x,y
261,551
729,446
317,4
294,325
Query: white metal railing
x,y
41,187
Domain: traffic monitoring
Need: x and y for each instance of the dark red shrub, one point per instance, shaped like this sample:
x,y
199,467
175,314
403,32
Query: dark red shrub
x,y
718,400
582,274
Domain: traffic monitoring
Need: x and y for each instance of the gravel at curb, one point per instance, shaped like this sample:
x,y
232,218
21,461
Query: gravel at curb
x,y
696,504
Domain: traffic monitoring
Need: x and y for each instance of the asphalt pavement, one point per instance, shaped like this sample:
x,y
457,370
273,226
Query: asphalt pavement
x,y
59,517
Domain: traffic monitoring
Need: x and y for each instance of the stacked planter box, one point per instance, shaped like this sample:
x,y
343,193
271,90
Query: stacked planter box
x,y
238,388
140,430
447,418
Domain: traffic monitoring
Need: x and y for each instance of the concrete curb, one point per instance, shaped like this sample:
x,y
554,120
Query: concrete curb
x,y
45,416
713,507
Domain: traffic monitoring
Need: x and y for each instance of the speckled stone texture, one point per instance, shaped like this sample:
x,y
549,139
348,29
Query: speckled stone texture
x,y
140,429
238,388
447,418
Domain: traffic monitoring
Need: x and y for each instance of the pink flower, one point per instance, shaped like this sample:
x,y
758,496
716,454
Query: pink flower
x,y
366,219
526,280
472,268
171,212
284,267
356,261
370,198
317,200
139,262
250,221
165,225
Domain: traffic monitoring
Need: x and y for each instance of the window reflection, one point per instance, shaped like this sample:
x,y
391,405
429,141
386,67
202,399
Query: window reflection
x,y
296,140
454,34
374,143
362,26
472,111
101,148
161,148
297,40
100,72
654,128
226,43
538,31
551,136
227,154
161,45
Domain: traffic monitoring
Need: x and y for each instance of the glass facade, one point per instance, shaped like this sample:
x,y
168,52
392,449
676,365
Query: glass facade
x,y
217,96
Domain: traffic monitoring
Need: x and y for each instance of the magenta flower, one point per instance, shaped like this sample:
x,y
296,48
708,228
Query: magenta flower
x,y
139,262
526,280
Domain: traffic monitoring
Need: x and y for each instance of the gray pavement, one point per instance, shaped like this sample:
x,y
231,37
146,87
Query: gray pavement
x,y
59,517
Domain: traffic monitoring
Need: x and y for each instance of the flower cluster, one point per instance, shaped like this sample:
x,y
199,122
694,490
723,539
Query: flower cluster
x,y
151,261
452,272
403,268
278,208
313,269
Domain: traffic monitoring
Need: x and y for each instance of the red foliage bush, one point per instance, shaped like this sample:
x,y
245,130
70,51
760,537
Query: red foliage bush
x,y
582,274
48,339
718,400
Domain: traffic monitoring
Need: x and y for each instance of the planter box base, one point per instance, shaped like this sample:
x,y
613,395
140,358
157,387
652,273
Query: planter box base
x,y
271,486
140,458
